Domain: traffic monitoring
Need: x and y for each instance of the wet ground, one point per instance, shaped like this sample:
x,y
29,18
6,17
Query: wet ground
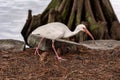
x,y
86,65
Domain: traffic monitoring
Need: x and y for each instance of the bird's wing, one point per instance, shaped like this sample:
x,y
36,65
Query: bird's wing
x,y
53,32
28,29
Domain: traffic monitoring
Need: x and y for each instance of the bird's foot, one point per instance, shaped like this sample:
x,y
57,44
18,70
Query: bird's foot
x,y
61,59
37,51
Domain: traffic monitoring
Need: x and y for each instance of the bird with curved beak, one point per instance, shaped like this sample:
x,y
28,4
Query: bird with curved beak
x,y
56,30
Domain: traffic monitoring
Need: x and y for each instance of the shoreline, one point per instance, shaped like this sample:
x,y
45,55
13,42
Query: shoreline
x,y
17,45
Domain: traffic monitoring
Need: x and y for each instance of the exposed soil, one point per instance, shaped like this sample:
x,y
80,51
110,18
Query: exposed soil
x,y
86,65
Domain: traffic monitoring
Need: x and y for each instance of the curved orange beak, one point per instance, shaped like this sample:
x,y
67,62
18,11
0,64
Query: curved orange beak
x,y
85,30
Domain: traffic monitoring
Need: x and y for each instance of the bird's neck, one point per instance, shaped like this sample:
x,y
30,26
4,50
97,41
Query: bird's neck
x,y
71,33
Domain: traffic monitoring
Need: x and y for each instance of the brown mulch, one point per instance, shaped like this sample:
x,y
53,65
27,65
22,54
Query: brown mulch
x,y
86,65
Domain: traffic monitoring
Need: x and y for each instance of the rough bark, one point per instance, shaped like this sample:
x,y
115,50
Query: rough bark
x,y
25,31
79,37
115,30
65,11
113,23
71,21
96,20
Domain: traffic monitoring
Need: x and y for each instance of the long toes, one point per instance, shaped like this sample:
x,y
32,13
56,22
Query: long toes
x,y
61,59
36,51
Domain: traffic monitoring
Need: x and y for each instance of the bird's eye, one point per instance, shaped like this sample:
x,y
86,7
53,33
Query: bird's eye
x,y
83,28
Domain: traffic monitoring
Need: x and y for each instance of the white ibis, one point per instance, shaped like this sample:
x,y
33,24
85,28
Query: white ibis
x,y
57,30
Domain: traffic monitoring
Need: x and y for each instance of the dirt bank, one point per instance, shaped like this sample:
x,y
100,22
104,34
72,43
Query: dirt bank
x,y
86,65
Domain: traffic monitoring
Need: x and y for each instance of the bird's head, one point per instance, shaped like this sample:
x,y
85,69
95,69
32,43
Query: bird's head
x,y
82,27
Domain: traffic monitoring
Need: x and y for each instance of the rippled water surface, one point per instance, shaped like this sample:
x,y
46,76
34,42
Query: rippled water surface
x,y
13,14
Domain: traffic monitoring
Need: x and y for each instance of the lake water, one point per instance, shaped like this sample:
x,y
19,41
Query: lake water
x,y
13,14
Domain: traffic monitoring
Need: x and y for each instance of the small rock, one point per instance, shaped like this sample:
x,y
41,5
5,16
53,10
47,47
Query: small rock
x,y
11,45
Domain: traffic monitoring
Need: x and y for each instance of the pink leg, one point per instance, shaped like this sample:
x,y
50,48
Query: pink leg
x,y
37,48
58,57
